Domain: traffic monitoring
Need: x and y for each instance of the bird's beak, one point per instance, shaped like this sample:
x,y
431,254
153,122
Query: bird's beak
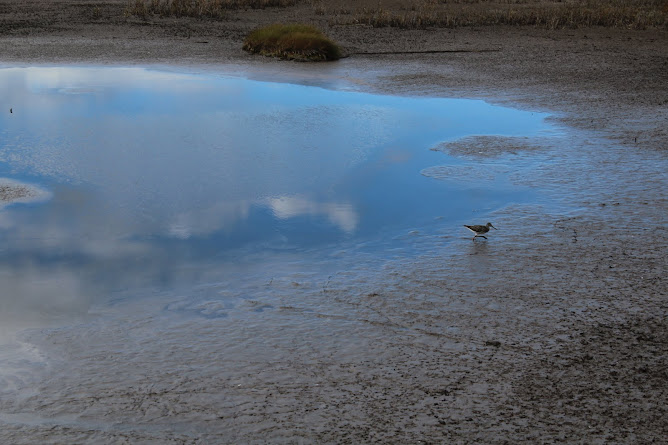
x,y
493,227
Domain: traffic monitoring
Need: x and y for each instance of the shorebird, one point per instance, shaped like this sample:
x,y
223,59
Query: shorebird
x,y
480,230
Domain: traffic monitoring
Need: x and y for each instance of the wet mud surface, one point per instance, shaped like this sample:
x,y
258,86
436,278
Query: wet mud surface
x,y
491,146
553,330
12,191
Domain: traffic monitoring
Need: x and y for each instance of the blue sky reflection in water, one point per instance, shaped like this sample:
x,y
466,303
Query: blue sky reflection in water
x,y
151,172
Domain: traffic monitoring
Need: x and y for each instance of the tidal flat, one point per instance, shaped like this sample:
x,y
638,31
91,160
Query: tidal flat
x,y
552,330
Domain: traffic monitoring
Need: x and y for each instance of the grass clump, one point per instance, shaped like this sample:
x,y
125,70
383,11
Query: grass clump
x,y
292,42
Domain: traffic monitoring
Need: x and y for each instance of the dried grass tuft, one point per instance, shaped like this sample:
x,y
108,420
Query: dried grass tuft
x,y
197,8
550,14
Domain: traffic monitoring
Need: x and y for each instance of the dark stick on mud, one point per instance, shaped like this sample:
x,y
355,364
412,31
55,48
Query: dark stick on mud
x,y
426,52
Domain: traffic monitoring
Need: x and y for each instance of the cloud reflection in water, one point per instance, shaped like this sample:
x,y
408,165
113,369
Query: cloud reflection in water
x,y
341,215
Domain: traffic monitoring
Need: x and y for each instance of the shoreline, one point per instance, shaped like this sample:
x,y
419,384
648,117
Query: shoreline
x,y
620,90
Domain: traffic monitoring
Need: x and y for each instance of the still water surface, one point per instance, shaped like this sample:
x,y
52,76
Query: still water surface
x,y
146,179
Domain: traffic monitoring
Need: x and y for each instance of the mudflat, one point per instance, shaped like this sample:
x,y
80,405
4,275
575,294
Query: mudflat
x,y
554,331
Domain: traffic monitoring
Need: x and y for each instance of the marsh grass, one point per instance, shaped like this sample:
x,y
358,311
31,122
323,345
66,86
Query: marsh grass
x,y
293,42
550,14
197,8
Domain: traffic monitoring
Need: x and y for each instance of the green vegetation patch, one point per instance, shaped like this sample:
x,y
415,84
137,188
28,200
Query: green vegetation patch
x,y
292,42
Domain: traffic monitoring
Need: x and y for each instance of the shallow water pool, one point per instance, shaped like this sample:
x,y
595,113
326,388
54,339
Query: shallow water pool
x,y
145,180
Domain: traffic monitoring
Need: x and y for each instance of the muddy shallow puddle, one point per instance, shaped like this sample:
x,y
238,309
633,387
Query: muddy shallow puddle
x,y
148,211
